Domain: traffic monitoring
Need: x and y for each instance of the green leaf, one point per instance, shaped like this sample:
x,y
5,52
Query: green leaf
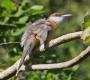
x,y
86,22
49,75
86,34
37,7
19,12
70,76
86,27
87,16
87,39
8,5
18,31
23,19
6,19
37,12
14,59
1,22
24,2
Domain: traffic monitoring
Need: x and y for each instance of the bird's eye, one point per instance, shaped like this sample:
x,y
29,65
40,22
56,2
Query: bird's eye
x,y
56,14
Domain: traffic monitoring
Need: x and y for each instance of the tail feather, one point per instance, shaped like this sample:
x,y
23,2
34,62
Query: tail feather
x,y
23,57
21,62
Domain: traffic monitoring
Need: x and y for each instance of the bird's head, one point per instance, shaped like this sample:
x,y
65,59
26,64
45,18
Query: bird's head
x,y
57,17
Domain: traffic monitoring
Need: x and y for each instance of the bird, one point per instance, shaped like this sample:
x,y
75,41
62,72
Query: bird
x,y
38,33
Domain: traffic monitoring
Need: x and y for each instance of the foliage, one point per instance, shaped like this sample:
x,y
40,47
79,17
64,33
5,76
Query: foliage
x,y
16,15
13,21
86,27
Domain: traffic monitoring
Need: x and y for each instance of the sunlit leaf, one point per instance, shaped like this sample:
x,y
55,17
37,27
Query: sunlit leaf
x,y
23,19
37,7
37,12
86,21
8,5
49,75
19,12
18,31
87,39
86,27
85,33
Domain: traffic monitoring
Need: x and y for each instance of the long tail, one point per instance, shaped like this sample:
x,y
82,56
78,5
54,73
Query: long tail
x,y
23,57
21,62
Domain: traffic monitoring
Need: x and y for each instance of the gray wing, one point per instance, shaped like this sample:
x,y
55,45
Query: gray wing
x,y
40,28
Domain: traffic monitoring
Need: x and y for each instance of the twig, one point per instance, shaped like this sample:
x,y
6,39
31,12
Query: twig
x,y
17,2
9,43
60,40
13,25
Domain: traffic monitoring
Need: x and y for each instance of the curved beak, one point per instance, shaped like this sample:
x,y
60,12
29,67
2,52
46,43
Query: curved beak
x,y
66,15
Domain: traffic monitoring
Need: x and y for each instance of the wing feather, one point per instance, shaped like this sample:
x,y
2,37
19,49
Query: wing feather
x,y
40,28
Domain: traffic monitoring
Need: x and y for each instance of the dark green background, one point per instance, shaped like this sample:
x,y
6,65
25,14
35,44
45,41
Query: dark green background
x,y
14,18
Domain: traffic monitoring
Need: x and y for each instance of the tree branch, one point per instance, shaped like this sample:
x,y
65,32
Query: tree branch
x,y
83,55
37,52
